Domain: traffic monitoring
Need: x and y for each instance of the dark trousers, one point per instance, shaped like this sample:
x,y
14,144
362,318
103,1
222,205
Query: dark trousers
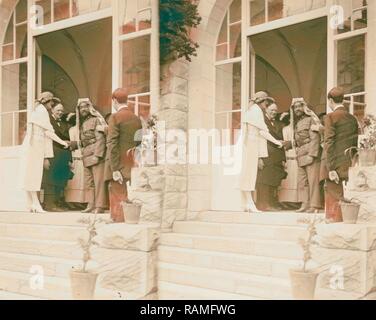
x,y
333,194
56,178
266,197
53,196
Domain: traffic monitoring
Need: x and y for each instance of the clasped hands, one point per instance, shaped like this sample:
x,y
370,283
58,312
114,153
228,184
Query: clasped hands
x,y
284,144
71,145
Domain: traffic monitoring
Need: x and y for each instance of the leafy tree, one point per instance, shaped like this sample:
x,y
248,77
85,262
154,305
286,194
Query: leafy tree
x,y
177,17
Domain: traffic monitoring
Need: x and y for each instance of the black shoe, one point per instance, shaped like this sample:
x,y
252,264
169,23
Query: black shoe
x,y
303,209
88,210
70,207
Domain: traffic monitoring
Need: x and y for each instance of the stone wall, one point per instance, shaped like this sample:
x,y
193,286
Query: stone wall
x,y
127,260
163,192
347,253
347,256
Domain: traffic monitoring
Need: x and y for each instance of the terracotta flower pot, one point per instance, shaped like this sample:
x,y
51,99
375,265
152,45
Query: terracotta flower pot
x,y
303,284
367,157
350,212
83,285
132,212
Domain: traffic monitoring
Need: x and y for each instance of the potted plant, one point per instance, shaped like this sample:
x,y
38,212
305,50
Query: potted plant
x,y
83,281
367,143
132,206
149,144
132,211
303,281
350,210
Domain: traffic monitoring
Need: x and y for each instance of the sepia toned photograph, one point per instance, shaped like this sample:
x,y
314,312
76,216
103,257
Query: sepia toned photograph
x,y
191,150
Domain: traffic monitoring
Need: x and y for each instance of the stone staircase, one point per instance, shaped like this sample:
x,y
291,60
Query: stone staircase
x,y
230,256
29,243
47,242
220,255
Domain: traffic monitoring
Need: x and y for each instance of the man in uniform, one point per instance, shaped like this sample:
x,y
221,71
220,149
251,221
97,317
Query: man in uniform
x,y
308,143
93,142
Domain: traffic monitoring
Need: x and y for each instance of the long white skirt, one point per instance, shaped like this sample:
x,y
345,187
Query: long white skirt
x,y
32,160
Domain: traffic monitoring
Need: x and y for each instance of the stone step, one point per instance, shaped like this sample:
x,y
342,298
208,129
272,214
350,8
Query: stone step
x,y
251,231
264,266
336,295
22,283
25,263
18,283
42,232
225,281
173,291
5,295
255,247
275,218
58,249
50,218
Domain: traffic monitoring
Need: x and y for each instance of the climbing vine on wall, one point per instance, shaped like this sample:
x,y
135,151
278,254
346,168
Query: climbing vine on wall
x,y
177,18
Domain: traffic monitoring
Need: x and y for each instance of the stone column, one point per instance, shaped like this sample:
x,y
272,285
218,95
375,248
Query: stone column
x,y
371,59
174,114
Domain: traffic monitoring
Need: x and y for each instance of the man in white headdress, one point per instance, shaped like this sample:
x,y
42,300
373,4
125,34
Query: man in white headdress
x,y
93,128
309,151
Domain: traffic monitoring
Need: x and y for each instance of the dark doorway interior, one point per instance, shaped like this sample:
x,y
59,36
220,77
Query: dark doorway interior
x,y
292,62
77,63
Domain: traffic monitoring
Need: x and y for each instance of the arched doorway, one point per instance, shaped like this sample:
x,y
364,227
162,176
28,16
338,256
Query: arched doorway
x,y
86,49
77,62
281,60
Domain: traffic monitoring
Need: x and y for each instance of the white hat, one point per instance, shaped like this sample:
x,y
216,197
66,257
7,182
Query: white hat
x,y
261,96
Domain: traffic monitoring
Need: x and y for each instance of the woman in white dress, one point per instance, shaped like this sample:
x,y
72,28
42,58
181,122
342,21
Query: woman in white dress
x,y
38,149
256,136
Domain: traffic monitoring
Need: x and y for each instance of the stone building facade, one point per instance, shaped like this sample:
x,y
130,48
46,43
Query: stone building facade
x,y
290,48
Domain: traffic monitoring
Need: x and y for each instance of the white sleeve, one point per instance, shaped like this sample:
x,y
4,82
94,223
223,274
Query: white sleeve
x,y
255,118
52,135
266,135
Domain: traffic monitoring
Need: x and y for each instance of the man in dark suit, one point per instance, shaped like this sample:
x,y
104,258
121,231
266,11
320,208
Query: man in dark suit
x,y
124,134
272,172
59,172
341,134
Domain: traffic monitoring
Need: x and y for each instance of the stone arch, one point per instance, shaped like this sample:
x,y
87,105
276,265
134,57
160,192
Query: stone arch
x,y
6,9
201,97
202,68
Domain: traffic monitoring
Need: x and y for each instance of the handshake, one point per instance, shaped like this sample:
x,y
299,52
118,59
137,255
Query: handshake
x,y
285,144
71,145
